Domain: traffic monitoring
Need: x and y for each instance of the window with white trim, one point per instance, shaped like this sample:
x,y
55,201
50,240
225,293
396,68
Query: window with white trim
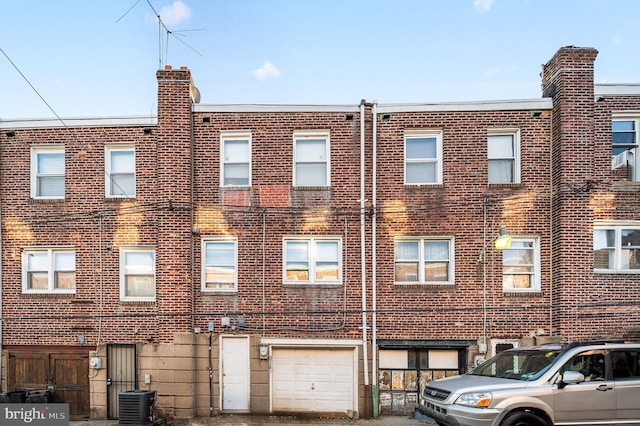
x,y
137,274
422,157
503,155
625,139
48,270
47,172
235,149
311,153
521,265
624,134
120,176
219,265
616,248
312,260
424,261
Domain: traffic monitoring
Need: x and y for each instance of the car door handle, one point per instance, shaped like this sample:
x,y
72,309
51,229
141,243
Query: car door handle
x,y
604,387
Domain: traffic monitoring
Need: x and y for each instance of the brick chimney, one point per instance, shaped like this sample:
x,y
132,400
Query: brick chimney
x,y
174,211
568,79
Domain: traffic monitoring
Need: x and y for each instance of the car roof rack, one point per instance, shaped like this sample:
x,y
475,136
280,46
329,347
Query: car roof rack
x,y
593,342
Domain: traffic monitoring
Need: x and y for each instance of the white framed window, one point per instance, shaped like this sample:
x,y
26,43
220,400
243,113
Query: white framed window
x,y
219,264
503,155
47,172
120,173
624,134
315,260
422,157
48,270
521,266
428,260
235,152
311,155
137,274
616,248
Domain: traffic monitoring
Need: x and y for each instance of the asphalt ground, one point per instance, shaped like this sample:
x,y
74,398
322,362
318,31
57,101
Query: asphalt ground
x,y
257,420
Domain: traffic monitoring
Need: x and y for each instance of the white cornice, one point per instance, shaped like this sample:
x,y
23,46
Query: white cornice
x,y
617,89
512,105
50,123
273,108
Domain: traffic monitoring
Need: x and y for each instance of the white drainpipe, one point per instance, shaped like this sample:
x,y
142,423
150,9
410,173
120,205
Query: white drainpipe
x,y
363,254
374,344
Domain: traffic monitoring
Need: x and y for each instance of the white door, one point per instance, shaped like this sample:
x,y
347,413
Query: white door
x,y
313,380
235,373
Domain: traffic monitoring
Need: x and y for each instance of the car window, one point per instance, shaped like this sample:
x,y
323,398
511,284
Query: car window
x,y
590,363
626,364
517,364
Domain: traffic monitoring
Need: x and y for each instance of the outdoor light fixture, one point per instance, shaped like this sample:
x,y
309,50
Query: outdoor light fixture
x,y
503,241
264,351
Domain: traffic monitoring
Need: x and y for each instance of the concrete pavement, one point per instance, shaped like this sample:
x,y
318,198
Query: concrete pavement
x,y
258,420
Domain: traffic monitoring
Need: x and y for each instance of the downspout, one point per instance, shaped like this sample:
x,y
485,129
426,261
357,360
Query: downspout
x,y
192,185
374,318
363,254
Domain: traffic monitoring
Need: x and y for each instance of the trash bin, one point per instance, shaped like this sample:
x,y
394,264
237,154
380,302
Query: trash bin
x,y
38,396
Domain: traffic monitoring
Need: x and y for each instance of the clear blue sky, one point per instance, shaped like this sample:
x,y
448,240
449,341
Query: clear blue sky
x,y
99,57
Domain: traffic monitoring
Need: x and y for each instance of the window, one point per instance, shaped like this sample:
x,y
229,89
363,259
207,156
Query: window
x,y
312,260
47,172
624,135
521,265
236,159
503,156
423,158
424,260
137,274
626,364
219,265
49,271
617,248
311,159
120,176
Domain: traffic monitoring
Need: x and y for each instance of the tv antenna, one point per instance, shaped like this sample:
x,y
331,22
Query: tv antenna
x,y
163,34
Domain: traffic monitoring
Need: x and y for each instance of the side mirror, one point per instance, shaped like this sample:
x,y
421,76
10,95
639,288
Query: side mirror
x,y
570,377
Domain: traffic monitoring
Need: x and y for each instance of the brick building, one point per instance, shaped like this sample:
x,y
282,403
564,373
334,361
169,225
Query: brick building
x,y
313,259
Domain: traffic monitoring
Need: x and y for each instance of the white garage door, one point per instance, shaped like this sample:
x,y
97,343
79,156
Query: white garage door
x,y
313,380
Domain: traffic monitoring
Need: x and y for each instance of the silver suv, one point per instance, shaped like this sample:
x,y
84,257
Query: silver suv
x,y
576,383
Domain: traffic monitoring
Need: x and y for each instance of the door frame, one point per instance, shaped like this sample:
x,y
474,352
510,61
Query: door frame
x,y
284,343
225,359
118,352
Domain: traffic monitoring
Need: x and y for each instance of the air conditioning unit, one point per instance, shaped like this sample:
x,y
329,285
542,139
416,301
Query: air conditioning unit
x,y
624,159
134,407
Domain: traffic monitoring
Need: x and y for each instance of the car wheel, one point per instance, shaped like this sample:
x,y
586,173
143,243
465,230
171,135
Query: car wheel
x,y
523,419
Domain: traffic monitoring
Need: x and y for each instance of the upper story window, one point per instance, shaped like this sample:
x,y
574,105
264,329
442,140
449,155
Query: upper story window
x,y
422,157
424,261
521,265
503,155
624,135
49,270
219,265
312,260
617,248
624,145
137,274
235,151
311,159
120,176
47,172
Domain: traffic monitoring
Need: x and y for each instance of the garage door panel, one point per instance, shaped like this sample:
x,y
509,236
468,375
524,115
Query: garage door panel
x,y
313,380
